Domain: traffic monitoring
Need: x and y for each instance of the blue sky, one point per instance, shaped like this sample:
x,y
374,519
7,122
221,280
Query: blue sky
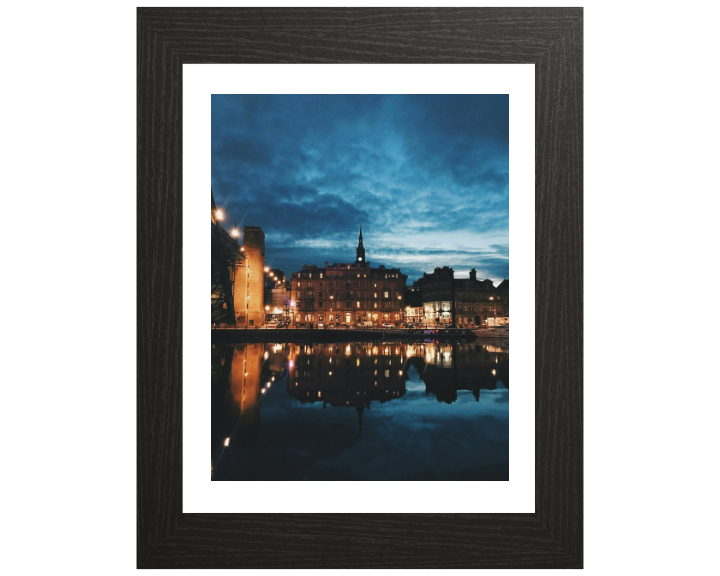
x,y
425,175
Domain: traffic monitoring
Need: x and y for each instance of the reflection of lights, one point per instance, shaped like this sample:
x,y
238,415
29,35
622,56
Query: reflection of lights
x,y
263,390
493,372
291,364
268,384
266,355
272,379
227,442
329,373
400,372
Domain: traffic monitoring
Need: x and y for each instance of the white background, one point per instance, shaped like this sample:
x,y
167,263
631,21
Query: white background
x,y
651,312
200,494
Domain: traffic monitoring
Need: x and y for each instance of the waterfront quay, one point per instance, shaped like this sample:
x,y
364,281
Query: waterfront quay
x,y
325,335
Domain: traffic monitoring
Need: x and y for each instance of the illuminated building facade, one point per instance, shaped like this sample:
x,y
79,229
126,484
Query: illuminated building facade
x,y
349,293
463,302
250,280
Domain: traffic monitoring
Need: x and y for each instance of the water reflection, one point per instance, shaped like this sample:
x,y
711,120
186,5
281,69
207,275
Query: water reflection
x,y
289,381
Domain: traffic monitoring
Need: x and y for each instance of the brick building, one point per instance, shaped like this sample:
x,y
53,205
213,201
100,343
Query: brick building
x,y
348,293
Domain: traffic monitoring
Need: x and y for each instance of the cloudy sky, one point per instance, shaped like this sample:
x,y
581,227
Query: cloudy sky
x,y
425,175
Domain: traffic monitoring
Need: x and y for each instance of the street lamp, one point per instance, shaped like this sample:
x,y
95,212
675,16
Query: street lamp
x,y
219,214
235,233
332,319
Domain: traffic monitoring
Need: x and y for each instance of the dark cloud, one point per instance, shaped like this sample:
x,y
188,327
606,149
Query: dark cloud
x,y
425,175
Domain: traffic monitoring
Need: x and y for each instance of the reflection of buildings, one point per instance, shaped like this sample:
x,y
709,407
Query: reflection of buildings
x,y
241,374
349,293
351,374
464,366
355,374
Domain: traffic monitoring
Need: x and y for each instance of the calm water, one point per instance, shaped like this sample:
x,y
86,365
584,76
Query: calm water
x,y
360,411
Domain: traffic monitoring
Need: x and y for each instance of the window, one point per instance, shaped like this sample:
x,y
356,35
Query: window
x,y
320,295
386,294
252,322
387,375
358,304
374,294
348,305
374,304
321,274
320,318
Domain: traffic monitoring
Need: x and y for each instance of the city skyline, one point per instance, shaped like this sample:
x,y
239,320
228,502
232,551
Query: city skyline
x,y
425,175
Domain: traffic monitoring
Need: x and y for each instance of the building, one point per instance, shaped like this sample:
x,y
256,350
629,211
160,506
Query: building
x,y
249,280
463,302
475,301
414,311
436,292
348,293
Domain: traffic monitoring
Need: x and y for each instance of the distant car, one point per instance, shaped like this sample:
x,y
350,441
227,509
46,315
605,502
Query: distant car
x,y
331,326
271,324
388,326
365,324
421,326
345,326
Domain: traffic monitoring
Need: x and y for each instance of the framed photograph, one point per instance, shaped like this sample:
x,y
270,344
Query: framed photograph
x,y
374,177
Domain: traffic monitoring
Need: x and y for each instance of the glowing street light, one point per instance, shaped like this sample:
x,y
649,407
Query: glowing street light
x,y
235,233
219,214
227,442
267,269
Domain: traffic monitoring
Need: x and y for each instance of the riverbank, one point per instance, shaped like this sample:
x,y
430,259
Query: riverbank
x,y
359,335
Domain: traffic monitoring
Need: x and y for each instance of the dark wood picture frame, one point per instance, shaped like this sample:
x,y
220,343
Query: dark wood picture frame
x,y
549,38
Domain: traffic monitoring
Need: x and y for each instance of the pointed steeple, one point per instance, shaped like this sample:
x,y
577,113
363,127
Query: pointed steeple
x,y
360,250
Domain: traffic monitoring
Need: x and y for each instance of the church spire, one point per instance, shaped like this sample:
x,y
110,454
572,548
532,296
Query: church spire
x,y
360,250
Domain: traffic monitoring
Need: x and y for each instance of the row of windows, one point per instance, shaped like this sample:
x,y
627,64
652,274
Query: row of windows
x,y
349,294
346,284
351,274
385,305
362,317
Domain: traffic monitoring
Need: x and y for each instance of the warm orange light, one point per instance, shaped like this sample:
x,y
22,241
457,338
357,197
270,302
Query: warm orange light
x,y
219,214
267,269
235,233
227,442
267,307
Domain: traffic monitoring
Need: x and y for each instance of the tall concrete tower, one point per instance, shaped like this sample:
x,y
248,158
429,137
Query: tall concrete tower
x,y
254,248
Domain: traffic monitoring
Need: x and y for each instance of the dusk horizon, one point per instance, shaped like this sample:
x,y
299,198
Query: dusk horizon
x,y
426,176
